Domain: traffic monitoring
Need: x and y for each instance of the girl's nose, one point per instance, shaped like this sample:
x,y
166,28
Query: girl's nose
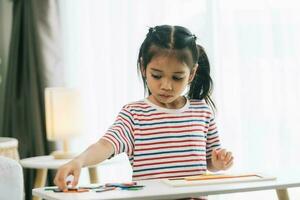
x,y
166,85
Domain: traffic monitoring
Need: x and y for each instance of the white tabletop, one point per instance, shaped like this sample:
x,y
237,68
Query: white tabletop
x,y
48,162
156,189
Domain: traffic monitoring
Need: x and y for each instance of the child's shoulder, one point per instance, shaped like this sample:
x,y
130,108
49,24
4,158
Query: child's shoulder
x,y
197,101
140,104
200,104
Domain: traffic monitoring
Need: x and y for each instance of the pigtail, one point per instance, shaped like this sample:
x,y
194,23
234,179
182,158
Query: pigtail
x,y
201,86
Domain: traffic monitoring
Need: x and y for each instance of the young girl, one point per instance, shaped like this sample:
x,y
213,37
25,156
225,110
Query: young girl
x,y
166,134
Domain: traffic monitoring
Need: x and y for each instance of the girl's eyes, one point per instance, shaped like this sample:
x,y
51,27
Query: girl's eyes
x,y
155,76
174,77
177,78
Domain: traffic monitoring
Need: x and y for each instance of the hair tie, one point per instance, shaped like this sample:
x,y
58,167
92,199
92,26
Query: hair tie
x,y
152,30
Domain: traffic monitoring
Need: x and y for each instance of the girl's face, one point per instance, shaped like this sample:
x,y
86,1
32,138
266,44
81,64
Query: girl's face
x,y
167,78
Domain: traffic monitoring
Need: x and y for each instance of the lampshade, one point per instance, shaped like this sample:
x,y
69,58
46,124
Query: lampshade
x,y
63,114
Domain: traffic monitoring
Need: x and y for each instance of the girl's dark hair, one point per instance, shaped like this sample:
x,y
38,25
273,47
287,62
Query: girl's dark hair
x,y
179,42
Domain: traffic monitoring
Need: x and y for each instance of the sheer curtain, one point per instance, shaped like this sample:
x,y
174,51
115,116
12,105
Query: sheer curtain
x,y
256,62
101,43
254,52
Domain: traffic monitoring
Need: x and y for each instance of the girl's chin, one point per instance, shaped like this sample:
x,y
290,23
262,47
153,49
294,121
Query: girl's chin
x,y
165,100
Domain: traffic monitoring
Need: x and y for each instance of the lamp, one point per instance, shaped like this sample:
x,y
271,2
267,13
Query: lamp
x,y
63,117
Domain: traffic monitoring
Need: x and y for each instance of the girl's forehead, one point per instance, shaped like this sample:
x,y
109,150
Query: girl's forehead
x,y
167,63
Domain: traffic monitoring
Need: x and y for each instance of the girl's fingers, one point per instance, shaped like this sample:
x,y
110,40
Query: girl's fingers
x,y
214,155
222,154
229,161
229,164
228,156
222,158
59,180
76,175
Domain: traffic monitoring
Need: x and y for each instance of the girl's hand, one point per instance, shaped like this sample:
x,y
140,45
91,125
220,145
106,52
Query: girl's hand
x,y
71,168
221,159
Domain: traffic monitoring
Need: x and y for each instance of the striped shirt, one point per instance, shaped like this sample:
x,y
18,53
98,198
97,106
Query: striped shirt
x,y
165,143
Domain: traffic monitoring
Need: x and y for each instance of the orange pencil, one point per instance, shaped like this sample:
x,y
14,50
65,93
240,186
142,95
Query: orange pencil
x,y
209,177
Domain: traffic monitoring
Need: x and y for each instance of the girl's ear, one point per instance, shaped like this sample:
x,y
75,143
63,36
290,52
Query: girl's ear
x,y
193,73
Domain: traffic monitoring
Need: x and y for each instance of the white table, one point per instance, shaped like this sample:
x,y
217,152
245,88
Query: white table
x,y
43,163
156,189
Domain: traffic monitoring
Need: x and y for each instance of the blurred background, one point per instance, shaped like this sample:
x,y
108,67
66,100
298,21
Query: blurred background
x,y
254,51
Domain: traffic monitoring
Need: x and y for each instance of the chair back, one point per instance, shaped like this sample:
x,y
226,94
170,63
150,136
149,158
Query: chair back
x,y
11,179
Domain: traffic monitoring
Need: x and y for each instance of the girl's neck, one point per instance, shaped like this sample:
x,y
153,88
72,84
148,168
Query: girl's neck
x,y
180,102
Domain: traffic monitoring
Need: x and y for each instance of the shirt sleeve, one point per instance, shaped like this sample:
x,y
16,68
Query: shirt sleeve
x,y
212,140
120,134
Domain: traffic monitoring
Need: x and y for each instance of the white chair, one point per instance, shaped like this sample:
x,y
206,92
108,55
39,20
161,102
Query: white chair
x,y
11,179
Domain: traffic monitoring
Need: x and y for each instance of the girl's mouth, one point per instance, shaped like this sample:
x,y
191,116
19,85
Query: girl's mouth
x,y
165,96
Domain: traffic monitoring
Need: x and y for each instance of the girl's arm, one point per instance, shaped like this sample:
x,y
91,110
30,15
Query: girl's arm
x,y
94,154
